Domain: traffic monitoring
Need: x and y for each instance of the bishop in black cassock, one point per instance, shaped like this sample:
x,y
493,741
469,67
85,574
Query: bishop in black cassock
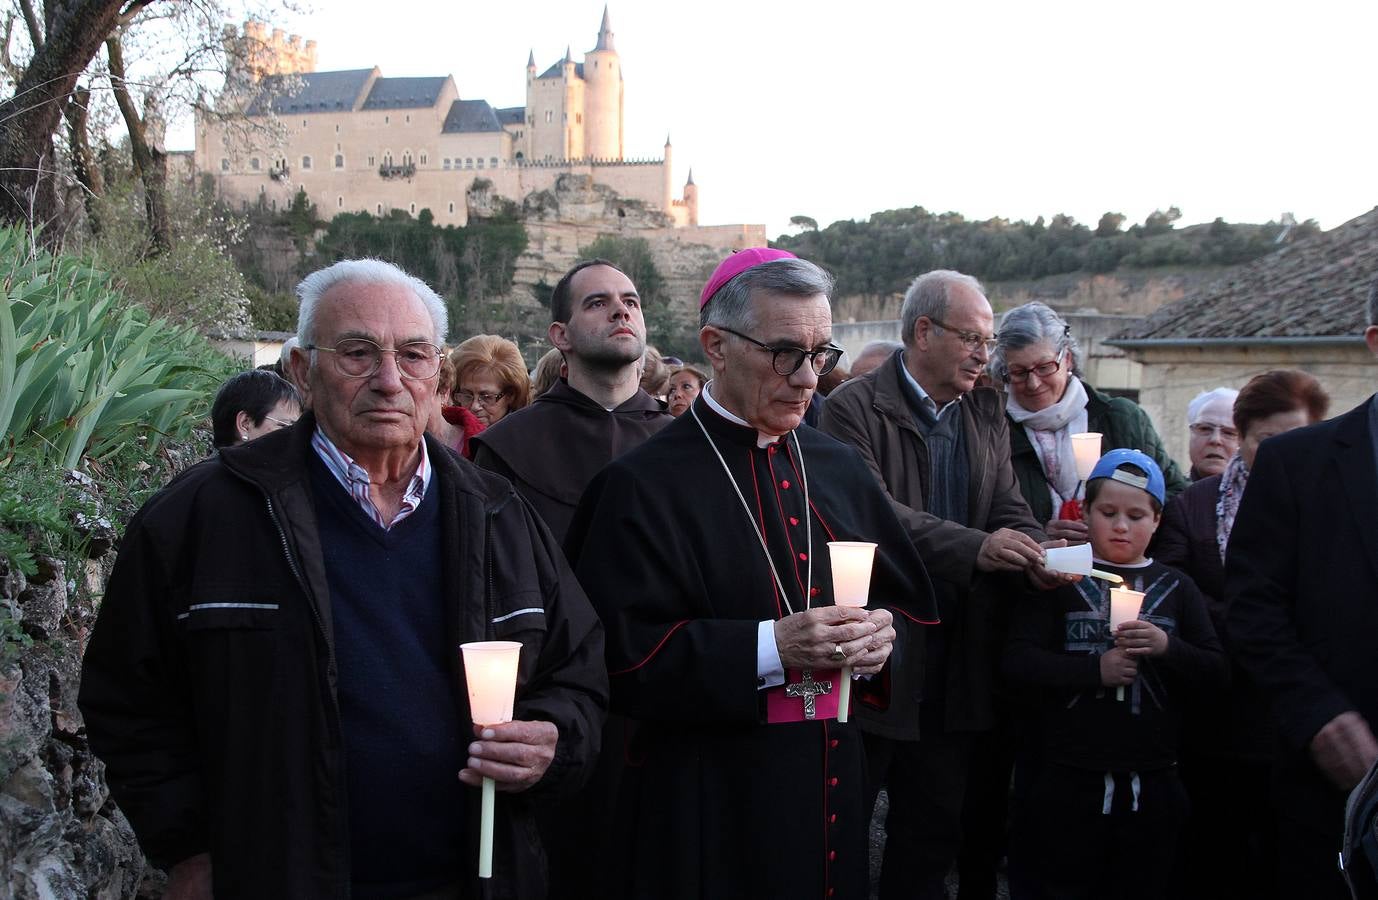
x,y
735,786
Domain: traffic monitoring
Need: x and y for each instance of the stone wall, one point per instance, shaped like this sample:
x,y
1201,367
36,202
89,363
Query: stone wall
x,y
1172,376
60,836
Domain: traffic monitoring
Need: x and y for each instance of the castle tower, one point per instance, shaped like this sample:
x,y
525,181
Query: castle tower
x,y
603,96
691,199
668,200
526,149
572,111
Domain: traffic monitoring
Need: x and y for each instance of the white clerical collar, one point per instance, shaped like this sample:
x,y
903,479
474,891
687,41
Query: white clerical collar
x,y
762,439
927,401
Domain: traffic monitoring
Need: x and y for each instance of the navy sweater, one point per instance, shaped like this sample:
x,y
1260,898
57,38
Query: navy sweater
x,y
404,743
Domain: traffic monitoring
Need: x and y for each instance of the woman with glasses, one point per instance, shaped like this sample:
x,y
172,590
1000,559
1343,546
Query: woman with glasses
x,y
1227,751
1039,362
490,377
251,404
1213,439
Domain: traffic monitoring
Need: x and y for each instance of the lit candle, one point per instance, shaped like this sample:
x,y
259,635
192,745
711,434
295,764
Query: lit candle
x,y
1124,607
851,563
490,671
1086,449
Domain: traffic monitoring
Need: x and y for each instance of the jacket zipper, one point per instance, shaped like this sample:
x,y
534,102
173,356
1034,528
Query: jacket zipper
x,y
329,646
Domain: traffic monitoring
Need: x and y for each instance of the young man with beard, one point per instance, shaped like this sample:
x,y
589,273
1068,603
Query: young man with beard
x,y
552,449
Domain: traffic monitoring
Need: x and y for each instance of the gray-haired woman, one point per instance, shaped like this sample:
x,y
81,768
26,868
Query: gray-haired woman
x,y
1039,362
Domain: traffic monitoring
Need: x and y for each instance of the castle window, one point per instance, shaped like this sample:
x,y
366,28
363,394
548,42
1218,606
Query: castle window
x,y
386,119
406,157
224,164
275,205
564,117
303,123
409,122
480,162
371,161
578,118
380,209
445,163
254,164
468,162
339,203
337,129
423,159
339,160
306,162
493,162
549,116
452,208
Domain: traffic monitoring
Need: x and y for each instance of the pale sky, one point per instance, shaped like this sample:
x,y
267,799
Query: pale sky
x,y
837,110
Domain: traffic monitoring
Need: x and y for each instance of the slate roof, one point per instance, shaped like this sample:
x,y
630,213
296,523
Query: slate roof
x,y
317,92
512,115
1315,288
471,116
554,71
404,93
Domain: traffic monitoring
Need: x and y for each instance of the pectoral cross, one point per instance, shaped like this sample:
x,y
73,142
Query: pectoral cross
x,y
807,688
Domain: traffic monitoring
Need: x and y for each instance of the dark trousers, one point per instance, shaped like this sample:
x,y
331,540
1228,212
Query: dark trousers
x,y
985,813
1079,838
926,783
1310,817
1230,843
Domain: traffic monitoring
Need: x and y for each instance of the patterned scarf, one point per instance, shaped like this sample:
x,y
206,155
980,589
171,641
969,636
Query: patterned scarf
x,y
1232,482
1050,431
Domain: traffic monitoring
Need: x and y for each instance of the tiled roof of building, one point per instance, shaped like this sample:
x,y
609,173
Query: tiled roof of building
x,y
512,115
404,93
1314,288
316,92
554,71
469,116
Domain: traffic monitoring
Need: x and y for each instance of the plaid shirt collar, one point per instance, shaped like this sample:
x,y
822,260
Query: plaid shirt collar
x,y
354,479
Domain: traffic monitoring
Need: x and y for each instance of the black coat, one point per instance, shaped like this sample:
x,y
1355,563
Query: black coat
x,y
1301,581
715,801
219,728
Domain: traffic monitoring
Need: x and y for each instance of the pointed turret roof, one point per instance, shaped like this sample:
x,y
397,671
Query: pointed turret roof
x,y
531,59
569,57
667,138
691,177
605,32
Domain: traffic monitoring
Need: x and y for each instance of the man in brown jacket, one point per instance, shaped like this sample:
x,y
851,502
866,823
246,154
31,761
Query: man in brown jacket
x,y
939,446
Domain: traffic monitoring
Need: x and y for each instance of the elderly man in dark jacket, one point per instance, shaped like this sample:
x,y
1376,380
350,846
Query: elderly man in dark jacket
x,y
274,682
939,446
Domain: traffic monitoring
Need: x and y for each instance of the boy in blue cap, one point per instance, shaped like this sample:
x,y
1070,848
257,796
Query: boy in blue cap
x,y
1101,814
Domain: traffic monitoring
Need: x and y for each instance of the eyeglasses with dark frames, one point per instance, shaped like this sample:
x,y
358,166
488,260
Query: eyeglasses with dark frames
x,y
1042,370
787,360
1209,430
361,358
970,339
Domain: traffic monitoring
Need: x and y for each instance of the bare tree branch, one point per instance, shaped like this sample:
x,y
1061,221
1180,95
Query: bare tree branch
x,y
31,22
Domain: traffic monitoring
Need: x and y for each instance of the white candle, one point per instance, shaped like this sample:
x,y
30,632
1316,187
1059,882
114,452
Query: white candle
x,y
851,562
1124,607
1086,449
490,671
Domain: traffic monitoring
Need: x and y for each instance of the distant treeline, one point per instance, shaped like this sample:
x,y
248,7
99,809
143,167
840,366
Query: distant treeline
x,y
881,255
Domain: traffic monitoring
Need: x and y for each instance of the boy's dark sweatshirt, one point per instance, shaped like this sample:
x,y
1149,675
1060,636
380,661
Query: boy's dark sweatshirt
x,y
1053,652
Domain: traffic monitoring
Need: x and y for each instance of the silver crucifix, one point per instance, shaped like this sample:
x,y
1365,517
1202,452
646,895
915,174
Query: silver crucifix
x,y
807,688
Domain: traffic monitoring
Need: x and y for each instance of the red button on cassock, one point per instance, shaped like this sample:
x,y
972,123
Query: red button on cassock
x,y
814,592
833,743
803,557
832,818
785,485
793,520
832,782
832,855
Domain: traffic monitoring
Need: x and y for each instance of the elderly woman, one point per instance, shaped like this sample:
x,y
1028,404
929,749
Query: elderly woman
x,y
1227,747
1213,440
550,368
490,377
251,404
686,383
1039,363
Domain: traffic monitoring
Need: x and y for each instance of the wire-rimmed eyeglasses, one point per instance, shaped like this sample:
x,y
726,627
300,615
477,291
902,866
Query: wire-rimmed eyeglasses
x,y
360,358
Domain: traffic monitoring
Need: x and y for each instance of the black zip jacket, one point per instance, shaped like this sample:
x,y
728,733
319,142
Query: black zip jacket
x,y
208,687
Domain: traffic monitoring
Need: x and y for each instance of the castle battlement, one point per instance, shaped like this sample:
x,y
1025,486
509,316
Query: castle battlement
x,y
597,163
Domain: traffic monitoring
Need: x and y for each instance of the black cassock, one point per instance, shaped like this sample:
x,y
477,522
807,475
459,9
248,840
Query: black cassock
x,y
715,801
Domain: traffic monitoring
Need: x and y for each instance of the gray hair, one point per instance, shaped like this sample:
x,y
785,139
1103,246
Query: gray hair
x,y
1033,323
927,297
731,306
1204,399
1373,304
369,271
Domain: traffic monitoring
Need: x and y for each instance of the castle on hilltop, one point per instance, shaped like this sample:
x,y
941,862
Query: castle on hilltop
x,y
356,141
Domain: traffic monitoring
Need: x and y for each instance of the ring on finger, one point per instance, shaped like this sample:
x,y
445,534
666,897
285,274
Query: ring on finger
x,y
838,653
